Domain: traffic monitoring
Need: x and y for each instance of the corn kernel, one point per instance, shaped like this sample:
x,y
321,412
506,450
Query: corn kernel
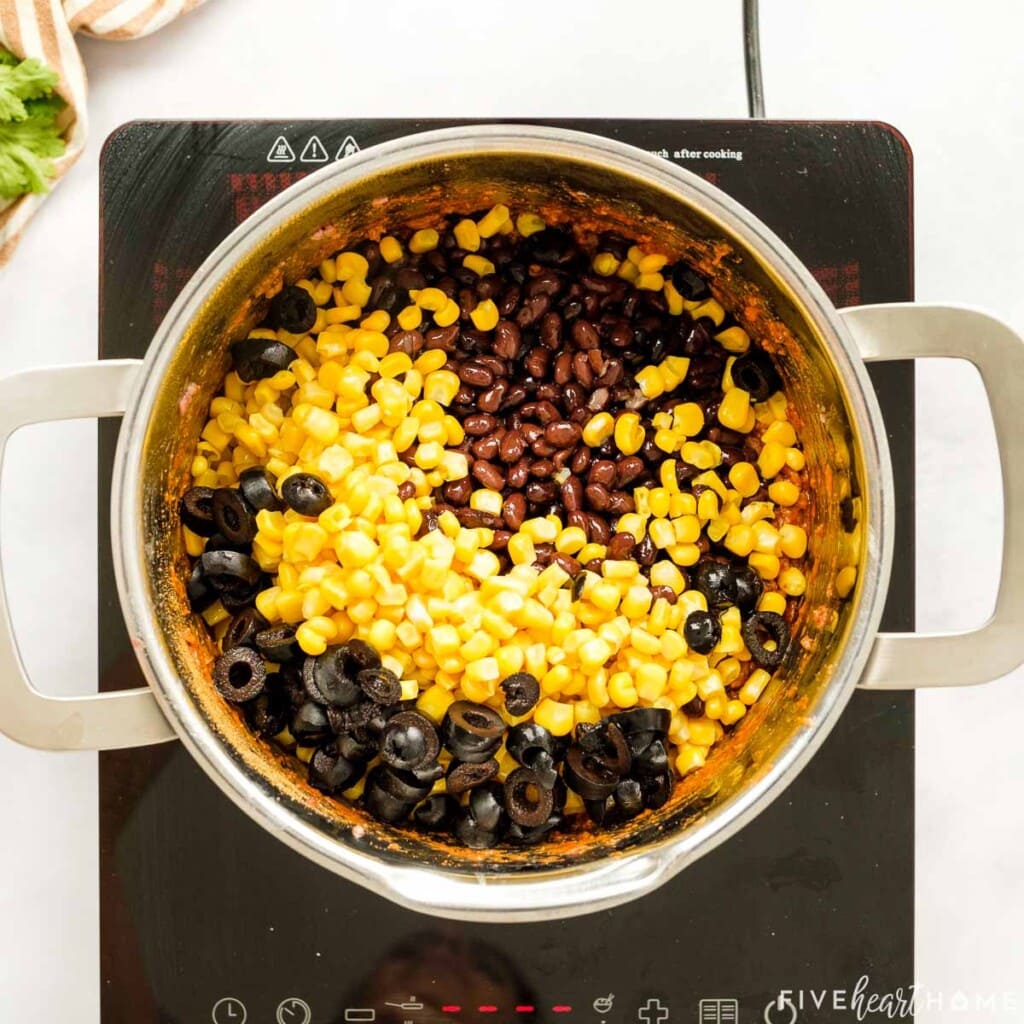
x,y
466,235
485,316
792,581
733,339
484,500
629,433
434,703
410,318
767,566
480,265
441,386
448,314
649,381
743,476
554,716
605,264
733,409
390,249
793,541
771,459
622,691
772,601
529,224
650,282
571,540
784,492
491,222
598,429
845,579
423,240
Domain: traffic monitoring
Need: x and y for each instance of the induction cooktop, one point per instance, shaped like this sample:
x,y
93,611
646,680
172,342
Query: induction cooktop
x,y
206,917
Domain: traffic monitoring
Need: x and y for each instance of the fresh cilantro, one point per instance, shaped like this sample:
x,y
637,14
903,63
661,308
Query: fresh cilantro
x,y
29,136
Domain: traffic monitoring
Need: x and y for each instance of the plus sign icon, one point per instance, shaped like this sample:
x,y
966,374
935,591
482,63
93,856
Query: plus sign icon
x,y
654,1011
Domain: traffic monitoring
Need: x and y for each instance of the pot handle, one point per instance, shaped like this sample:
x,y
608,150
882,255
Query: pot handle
x,y
104,721
912,331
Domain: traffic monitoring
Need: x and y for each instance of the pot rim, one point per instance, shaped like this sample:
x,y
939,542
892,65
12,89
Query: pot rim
x,y
550,893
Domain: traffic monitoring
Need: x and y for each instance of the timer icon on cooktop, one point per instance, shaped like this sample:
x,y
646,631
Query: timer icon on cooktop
x,y
228,1011
294,1011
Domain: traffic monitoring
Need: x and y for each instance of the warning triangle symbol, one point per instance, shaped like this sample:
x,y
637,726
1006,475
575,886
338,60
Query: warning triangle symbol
x,y
281,152
348,147
314,152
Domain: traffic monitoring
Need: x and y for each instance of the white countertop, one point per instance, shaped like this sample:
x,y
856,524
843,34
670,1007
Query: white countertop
x,y
949,76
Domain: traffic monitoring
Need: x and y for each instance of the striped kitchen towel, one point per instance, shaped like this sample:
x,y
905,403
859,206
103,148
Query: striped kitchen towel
x,y
45,29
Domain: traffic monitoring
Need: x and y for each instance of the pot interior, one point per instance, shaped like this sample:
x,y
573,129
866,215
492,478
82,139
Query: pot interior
x,y
564,188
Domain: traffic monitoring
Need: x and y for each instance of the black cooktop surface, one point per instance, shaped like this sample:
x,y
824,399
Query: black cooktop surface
x,y
205,917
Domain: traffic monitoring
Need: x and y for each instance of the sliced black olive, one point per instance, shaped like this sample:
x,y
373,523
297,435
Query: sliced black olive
x,y
218,542
356,745
309,723
292,309
472,732
748,587
601,812
325,675
367,717
529,836
409,740
259,489
229,570
657,789
702,631
470,833
256,358
690,285
717,582
487,806
383,805
653,761
239,675
380,684
774,625
605,742
289,681
233,516
756,373
242,629
199,590
642,720
429,773
462,776
436,812
550,247
267,714
587,776
359,655
629,798
277,643
196,511
400,784
522,691
527,737
238,599
527,800
331,772
306,494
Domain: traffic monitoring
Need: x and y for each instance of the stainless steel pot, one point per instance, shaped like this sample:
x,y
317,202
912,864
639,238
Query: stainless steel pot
x,y
164,401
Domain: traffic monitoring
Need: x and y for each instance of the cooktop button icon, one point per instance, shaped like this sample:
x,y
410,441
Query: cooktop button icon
x,y
719,1011
228,1011
780,1011
654,1011
603,1004
294,1011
